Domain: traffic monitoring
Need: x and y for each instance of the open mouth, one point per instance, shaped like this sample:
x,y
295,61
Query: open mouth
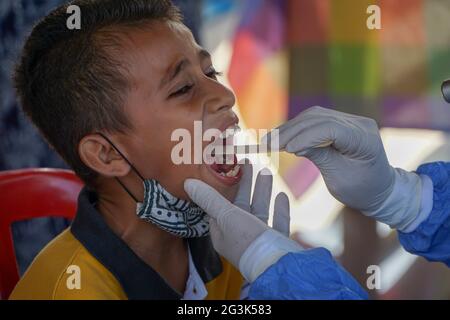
x,y
225,165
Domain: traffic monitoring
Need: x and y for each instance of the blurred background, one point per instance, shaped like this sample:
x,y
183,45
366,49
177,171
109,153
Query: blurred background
x,y
281,57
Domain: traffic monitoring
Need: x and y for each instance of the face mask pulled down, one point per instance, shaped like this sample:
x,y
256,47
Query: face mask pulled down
x,y
179,217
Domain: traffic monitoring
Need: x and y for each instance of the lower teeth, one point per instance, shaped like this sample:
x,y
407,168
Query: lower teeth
x,y
231,173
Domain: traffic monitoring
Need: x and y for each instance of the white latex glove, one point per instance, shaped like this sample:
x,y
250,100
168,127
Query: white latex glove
x,y
242,238
350,155
260,204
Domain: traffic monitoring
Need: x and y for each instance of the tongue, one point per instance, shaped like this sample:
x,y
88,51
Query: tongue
x,y
224,167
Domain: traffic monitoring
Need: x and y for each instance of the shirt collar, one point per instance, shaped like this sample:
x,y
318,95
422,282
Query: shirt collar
x,y
138,280
195,287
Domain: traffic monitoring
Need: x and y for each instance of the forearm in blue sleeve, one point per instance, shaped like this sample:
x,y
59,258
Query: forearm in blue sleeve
x,y
431,239
307,275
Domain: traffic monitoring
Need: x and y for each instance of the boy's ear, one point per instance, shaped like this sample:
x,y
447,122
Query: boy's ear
x,y
98,154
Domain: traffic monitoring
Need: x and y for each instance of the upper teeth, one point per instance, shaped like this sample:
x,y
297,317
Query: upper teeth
x,y
231,131
234,172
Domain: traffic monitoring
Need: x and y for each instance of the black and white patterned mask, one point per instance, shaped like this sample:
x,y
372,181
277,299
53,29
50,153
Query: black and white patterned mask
x,y
179,217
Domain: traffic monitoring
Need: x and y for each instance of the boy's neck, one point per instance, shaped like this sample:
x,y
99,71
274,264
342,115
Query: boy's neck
x,y
164,252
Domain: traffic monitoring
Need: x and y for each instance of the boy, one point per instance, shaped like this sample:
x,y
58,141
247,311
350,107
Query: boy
x,y
107,97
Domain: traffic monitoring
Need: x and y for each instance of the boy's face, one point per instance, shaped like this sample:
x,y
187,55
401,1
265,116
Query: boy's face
x,y
173,85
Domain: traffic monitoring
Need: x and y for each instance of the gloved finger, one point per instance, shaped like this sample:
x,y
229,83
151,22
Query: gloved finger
x,y
316,134
323,127
356,135
281,214
242,199
216,233
344,135
207,198
309,116
323,158
303,132
262,194
280,137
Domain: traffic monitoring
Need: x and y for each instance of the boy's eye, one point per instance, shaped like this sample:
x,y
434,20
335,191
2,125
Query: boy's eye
x,y
213,74
182,91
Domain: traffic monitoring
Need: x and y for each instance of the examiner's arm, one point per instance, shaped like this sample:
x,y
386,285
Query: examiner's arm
x,y
276,266
431,239
357,173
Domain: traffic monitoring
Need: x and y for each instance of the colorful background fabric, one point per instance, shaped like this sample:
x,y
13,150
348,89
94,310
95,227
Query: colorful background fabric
x,y
289,55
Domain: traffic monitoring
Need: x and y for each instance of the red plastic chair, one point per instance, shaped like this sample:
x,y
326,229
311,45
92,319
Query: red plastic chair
x,y
27,194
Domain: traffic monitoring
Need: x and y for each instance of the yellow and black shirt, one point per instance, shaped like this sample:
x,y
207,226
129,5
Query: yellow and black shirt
x,y
109,269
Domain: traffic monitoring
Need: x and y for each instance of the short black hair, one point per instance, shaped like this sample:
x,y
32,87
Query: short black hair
x,y
68,81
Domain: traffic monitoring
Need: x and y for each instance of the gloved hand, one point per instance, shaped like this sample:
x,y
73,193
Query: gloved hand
x,y
260,204
350,155
234,230
276,266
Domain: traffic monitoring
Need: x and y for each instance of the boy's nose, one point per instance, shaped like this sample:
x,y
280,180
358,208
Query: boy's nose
x,y
220,98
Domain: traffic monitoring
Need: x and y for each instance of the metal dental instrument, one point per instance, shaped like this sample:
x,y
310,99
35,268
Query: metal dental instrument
x,y
255,149
261,149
